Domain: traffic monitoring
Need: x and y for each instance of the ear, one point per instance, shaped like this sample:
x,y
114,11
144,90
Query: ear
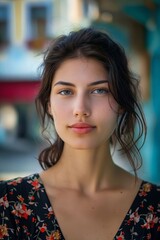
x,y
49,109
120,110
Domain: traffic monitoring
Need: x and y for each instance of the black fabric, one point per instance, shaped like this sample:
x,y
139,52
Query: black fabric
x,y
26,213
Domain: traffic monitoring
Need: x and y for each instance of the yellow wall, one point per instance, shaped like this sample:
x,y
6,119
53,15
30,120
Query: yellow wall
x,y
18,19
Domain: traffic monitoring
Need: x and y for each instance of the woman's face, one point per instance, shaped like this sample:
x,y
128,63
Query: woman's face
x,y
83,109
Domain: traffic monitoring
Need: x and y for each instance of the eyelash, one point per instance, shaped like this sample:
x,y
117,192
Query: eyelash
x,y
64,91
102,90
67,92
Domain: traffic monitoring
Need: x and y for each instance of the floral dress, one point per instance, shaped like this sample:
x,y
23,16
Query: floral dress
x,y
26,213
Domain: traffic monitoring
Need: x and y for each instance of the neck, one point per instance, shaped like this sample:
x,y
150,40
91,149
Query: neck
x,y
87,170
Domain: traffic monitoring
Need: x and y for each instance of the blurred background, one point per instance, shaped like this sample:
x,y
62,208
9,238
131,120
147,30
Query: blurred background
x,y
27,26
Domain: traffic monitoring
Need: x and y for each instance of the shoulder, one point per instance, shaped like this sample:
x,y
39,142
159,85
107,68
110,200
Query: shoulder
x,y
143,218
148,206
150,192
15,196
13,190
19,185
25,210
148,197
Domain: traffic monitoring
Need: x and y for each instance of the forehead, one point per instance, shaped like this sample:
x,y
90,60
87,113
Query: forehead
x,y
80,69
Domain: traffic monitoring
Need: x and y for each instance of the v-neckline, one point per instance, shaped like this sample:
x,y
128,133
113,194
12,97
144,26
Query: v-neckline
x,y
132,206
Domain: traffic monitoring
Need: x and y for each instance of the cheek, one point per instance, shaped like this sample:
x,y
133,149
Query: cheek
x,y
113,105
108,116
109,107
60,113
56,107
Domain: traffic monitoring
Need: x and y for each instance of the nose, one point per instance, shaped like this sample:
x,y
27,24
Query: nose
x,y
82,107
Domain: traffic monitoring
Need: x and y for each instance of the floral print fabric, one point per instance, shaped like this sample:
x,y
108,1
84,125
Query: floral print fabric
x,y
26,213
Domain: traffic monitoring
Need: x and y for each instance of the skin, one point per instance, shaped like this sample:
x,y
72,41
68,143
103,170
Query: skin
x,y
85,186
87,101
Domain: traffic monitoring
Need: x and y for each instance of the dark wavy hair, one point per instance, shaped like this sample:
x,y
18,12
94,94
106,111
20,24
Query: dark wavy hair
x,y
91,43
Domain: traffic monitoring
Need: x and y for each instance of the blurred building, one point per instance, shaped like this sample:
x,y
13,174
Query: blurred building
x,y
136,24
26,28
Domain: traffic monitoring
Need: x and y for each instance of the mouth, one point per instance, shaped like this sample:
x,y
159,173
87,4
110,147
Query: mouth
x,y
82,128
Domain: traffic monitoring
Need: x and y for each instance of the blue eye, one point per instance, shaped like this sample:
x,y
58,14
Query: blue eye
x,y
65,92
100,91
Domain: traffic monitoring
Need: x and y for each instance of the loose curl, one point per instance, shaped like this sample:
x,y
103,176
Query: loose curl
x,y
90,43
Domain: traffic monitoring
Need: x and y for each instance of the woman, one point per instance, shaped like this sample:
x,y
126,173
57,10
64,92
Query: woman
x,y
90,97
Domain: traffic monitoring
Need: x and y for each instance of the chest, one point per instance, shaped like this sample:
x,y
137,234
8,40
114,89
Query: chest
x,y
86,218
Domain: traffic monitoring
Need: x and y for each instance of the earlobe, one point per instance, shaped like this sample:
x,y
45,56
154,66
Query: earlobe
x,y
120,110
50,114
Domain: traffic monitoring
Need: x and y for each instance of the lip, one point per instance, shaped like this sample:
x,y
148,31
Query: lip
x,y
82,128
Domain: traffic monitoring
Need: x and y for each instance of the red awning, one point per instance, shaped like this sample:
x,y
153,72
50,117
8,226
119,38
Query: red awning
x,y
22,91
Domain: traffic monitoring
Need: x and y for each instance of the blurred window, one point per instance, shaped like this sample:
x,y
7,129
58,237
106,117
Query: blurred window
x,y
8,122
4,25
90,9
85,8
38,21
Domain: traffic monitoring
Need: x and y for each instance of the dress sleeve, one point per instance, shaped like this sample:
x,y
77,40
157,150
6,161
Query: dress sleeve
x,y
154,218
8,224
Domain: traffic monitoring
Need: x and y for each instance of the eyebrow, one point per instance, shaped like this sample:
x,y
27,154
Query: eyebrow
x,y
71,84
